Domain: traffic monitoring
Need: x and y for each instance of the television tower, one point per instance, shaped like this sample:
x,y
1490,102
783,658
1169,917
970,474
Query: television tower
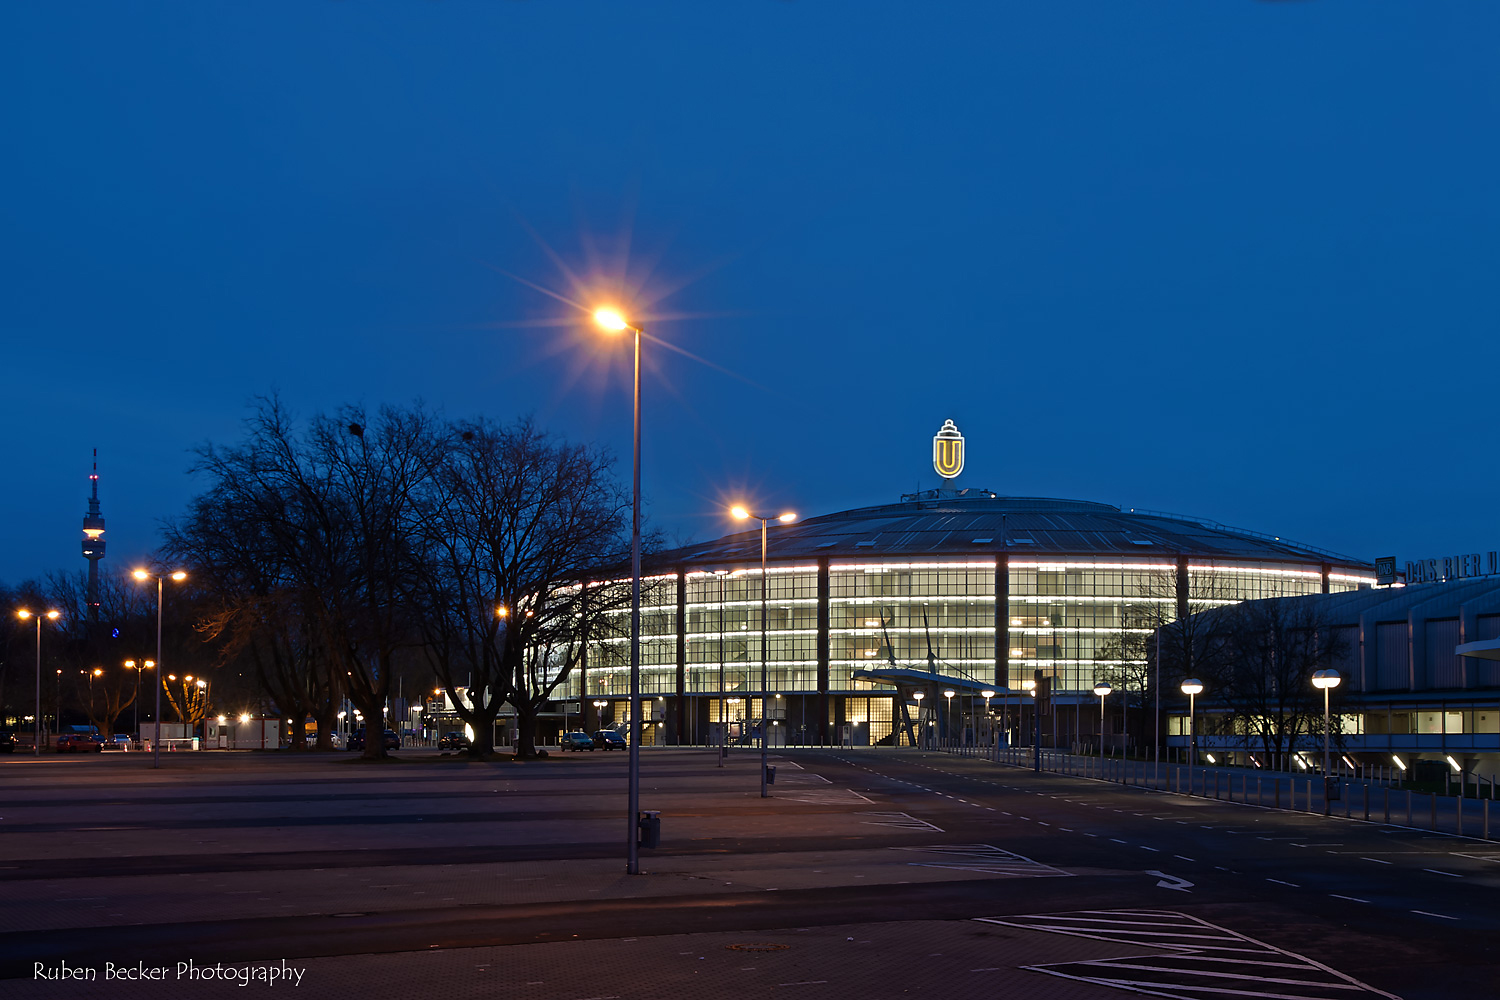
x,y
93,541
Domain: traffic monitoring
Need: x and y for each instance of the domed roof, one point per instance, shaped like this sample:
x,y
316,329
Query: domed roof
x,y
944,524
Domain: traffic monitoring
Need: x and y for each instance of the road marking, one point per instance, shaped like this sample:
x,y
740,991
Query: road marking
x,y
1278,881
1440,916
1193,956
985,858
1352,899
1179,857
1166,881
1145,848
1117,840
1436,872
1376,860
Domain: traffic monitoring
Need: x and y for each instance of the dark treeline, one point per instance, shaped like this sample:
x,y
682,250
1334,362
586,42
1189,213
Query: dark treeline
x,y
329,555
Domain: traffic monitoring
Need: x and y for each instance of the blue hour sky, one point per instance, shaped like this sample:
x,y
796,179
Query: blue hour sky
x,y
1236,259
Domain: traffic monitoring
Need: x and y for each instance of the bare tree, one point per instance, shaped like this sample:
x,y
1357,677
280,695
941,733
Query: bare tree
x,y
252,609
337,504
514,529
1267,651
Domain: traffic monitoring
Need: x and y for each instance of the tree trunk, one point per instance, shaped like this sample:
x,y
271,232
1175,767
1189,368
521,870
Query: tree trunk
x,y
525,731
327,723
374,716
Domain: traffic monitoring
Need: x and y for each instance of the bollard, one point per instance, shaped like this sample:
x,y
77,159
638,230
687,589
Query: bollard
x,y
1387,791
770,774
1364,792
1432,822
1276,787
1460,817
1486,819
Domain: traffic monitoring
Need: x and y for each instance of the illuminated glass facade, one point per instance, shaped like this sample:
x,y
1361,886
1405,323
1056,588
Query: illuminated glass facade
x,y
1072,615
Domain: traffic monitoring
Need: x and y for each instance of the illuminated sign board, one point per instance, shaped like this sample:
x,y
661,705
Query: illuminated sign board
x,y
948,451
1460,567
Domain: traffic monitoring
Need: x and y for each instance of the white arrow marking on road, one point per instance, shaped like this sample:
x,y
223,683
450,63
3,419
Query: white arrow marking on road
x,y
1171,882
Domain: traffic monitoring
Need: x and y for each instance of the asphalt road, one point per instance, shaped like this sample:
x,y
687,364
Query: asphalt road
x,y
868,873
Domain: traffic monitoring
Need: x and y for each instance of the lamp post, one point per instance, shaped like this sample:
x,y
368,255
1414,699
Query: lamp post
x,y
989,727
921,725
1102,689
740,514
723,725
203,706
1326,681
136,704
1192,687
948,696
51,616
614,321
177,576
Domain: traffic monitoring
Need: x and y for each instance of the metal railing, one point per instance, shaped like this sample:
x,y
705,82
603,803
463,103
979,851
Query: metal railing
x,y
1367,800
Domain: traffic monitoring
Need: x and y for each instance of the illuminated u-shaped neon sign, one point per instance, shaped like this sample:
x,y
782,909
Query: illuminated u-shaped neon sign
x,y
948,451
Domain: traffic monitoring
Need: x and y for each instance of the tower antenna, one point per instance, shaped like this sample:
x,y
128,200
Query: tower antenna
x,y
93,540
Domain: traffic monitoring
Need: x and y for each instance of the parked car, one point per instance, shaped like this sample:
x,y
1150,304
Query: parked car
x,y
608,739
80,743
575,741
119,741
357,740
8,742
453,741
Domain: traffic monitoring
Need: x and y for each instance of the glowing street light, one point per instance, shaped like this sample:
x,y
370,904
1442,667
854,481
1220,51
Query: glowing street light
x,y
1326,681
177,576
948,696
1102,689
1192,687
613,320
52,616
739,513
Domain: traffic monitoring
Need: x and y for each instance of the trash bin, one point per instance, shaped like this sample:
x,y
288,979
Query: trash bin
x,y
770,774
1333,789
649,828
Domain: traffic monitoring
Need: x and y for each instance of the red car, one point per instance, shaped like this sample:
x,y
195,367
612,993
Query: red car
x,y
80,743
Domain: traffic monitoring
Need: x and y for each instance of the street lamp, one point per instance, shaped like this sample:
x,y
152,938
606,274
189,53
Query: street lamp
x,y
136,704
988,727
921,726
177,576
1325,680
92,674
740,514
1192,687
51,616
1102,689
614,321
948,694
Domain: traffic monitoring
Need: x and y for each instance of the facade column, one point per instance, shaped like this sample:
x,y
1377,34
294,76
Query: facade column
x,y
1183,585
823,647
1002,620
681,654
